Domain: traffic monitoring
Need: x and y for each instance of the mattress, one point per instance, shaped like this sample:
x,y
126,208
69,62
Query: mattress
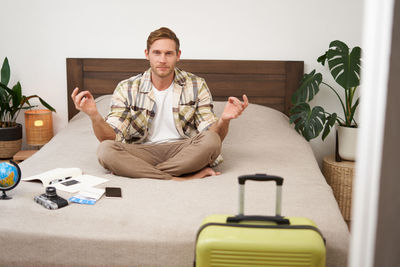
x,y
155,222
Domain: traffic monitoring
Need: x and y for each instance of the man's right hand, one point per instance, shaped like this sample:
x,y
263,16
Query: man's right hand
x,y
84,101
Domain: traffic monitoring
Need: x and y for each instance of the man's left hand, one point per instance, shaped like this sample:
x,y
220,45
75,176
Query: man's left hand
x,y
234,108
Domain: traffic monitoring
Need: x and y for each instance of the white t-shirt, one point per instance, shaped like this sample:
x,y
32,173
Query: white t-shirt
x,y
163,127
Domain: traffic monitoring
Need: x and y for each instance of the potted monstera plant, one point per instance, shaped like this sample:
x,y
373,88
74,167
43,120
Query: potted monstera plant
x,y
11,103
344,65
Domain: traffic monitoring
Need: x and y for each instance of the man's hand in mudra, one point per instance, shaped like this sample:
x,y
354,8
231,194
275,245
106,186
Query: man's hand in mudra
x,y
234,108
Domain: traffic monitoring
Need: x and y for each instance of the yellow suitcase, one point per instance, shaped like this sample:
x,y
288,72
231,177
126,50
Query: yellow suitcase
x,y
241,240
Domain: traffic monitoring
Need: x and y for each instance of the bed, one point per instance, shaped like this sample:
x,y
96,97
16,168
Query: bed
x,y
155,222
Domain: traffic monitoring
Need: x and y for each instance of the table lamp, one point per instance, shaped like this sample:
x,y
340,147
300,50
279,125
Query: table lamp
x,y
38,126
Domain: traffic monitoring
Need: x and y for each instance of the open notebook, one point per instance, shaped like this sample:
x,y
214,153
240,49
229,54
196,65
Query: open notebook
x,y
69,180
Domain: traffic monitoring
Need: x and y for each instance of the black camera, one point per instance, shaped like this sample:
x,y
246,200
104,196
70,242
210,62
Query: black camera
x,y
50,200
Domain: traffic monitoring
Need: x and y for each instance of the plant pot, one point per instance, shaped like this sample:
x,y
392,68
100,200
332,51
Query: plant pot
x,y
347,142
10,141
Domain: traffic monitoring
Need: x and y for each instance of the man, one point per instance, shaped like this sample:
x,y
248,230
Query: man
x,y
161,123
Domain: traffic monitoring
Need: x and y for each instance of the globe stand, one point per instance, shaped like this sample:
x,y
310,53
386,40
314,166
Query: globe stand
x,y
4,196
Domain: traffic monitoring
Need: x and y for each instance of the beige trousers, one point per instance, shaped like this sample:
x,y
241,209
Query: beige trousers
x,y
160,161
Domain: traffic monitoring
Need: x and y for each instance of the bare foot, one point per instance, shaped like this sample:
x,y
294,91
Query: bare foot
x,y
207,171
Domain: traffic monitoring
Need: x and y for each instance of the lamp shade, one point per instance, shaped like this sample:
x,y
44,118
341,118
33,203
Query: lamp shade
x,y
38,126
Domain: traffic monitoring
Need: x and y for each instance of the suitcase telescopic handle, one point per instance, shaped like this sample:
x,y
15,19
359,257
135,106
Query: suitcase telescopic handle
x,y
260,177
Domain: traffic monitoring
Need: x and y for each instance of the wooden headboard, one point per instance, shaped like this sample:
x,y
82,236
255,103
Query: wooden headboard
x,y
268,83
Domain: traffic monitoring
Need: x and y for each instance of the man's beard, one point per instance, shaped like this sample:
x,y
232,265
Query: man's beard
x,y
163,73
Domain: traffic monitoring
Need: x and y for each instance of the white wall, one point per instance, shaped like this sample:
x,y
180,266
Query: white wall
x,y
38,35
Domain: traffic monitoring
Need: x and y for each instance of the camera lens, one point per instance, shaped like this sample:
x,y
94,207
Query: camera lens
x,y
51,191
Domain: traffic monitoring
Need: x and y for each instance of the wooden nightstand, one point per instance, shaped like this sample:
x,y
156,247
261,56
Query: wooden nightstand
x,y
339,176
23,155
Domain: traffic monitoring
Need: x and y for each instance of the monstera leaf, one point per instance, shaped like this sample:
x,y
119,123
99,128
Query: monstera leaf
x,y
309,122
344,66
330,122
309,87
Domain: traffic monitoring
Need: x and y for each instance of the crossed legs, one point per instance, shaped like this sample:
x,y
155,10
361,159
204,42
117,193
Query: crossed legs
x,y
160,161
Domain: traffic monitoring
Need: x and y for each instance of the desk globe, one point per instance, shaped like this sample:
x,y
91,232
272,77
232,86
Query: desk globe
x,y
10,175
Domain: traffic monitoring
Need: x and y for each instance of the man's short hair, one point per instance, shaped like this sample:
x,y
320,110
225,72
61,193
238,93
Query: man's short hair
x,y
162,33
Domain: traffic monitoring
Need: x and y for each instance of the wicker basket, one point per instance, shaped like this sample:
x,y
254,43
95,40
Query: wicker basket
x,y
339,176
9,148
10,141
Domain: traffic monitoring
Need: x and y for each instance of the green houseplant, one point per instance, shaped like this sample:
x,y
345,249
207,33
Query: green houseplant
x,y
344,66
12,101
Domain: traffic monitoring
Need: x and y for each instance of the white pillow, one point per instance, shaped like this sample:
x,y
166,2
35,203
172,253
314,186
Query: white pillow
x,y
103,104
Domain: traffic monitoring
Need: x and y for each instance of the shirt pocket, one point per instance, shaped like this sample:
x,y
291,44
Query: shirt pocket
x,y
139,121
187,113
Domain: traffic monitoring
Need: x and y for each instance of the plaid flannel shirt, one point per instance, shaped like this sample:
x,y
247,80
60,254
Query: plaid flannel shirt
x,y
133,107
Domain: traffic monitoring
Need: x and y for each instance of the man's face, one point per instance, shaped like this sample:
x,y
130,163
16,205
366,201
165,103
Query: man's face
x,y
163,57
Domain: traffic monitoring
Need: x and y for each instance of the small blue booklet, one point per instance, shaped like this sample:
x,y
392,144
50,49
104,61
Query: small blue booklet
x,y
88,196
